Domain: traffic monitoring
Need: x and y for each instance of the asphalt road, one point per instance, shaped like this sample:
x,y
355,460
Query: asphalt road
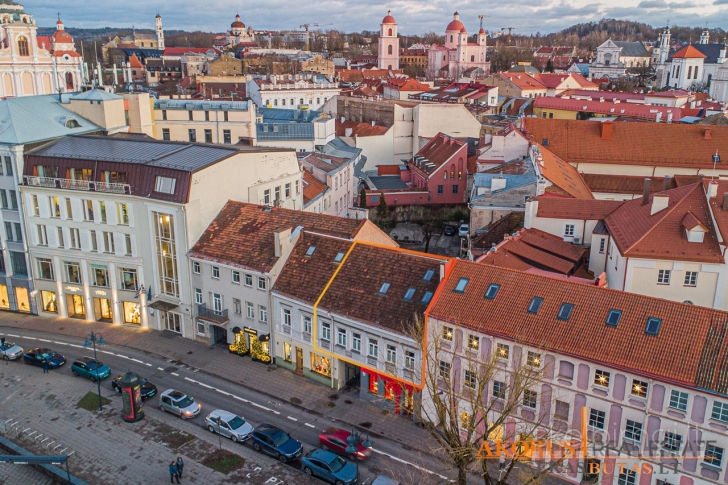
x,y
389,458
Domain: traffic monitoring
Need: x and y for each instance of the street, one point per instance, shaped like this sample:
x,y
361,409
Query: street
x,y
34,395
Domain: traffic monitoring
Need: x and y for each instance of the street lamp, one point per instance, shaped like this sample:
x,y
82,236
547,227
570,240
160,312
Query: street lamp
x,y
354,440
91,340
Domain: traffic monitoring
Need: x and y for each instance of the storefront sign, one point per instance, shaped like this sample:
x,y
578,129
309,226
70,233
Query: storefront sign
x,y
71,288
100,293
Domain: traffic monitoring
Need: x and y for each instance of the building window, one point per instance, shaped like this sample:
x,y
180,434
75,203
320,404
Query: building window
x,y
9,167
102,211
9,231
596,418
633,431
679,401
530,399
198,296
249,280
261,283
166,248
48,300
569,230
17,262
92,236
470,379
208,133
45,269
88,210
277,192
672,441
499,390
128,279
165,185
236,277
447,333
36,206
165,133
172,321
216,272
23,46
122,211
226,138
356,342
225,113
601,378
720,411
100,275
73,273
164,111
602,245
639,389
288,190
473,342
320,365
192,134
249,310
691,278
627,477
373,348
108,241
503,351
75,238
663,277
287,317
200,327
306,324
266,196
533,359
445,370
287,352
42,235
263,313
189,114
195,267
454,189
132,313
391,354
409,360
341,337
713,455
440,189
561,410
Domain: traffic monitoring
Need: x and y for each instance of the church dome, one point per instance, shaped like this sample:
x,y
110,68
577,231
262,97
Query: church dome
x,y
481,31
237,24
456,25
389,19
62,37
463,31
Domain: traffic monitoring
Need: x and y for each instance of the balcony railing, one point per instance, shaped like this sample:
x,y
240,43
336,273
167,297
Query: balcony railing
x,y
41,181
116,188
211,315
73,184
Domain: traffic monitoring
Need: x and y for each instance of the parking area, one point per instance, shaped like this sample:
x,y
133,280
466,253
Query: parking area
x,y
443,242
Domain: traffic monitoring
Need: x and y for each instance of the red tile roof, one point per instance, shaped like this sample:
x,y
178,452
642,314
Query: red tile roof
x,y
324,162
437,151
631,110
178,51
626,184
556,80
696,334
523,80
661,235
312,187
563,175
689,52
407,84
360,129
563,208
716,206
647,144
242,234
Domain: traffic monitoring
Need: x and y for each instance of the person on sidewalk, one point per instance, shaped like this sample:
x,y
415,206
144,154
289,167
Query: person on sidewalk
x,y
173,472
45,365
180,466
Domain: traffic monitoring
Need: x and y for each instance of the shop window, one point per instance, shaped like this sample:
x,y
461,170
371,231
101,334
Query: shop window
x,y
48,300
320,365
103,310
4,299
76,307
260,348
389,390
287,354
132,313
172,321
373,384
100,275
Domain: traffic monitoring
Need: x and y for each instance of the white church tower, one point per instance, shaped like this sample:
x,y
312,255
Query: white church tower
x,y
160,32
388,44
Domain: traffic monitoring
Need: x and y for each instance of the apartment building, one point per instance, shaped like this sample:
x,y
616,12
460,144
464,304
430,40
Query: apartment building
x,y
110,221
288,93
301,129
205,121
338,174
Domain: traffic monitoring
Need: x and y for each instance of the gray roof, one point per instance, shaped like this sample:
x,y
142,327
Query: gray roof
x,y
206,105
95,95
712,51
188,157
31,119
386,182
288,115
339,148
284,131
632,49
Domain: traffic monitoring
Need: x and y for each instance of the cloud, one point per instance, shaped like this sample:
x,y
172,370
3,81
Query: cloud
x,y
720,2
649,4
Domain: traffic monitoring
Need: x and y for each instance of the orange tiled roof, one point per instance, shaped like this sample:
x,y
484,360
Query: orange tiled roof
x,y
716,205
694,333
135,62
563,208
242,234
661,235
651,144
563,175
523,80
360,129
312,187
437,151
625,184
689,52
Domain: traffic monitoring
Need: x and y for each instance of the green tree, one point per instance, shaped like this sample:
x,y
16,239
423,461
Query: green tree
x,y
382,208
363,198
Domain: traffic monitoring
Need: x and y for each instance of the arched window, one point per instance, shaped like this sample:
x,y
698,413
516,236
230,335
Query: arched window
x,y
695,76
23,46
690,71
451,38
69,80
472,58
390,32
445,174
452,171
389,50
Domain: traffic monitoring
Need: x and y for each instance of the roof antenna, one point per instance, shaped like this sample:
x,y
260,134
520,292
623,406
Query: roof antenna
x,y
716,159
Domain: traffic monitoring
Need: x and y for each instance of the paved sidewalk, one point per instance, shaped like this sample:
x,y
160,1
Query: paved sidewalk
x,y
279,383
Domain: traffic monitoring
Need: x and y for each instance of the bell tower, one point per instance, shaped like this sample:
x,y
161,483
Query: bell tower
x,y
160,32
388,44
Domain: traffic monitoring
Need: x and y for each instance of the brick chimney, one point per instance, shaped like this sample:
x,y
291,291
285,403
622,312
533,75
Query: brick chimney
x,y
646,191
725,201
712,189
667,183
706,133
607,130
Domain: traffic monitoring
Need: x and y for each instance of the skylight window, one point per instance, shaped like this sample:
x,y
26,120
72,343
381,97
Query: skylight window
x,y
613,318
653,326
429,274
339,257
565,311
492,291
384,288
310,250
535,305
409,294
460,287
427,297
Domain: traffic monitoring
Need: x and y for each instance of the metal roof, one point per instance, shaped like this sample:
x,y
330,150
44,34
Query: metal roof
x,y
206,105
95,95
31,119
179,156
632,49
284,131
386,182
712,51
288,115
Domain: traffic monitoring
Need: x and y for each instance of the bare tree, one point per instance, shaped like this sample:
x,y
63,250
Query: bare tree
x,y
469,397
697,87
428,229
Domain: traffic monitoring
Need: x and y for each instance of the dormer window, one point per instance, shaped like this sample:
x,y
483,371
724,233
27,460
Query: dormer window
x,y
694,229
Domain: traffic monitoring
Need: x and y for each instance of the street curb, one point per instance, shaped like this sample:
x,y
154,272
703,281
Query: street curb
x,y
50,470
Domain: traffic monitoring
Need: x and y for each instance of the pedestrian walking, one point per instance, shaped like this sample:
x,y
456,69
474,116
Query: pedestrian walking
x,y
173,472
45,365
180,466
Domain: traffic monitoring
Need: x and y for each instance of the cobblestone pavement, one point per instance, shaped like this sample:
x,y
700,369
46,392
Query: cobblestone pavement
x,y
22,475
43,418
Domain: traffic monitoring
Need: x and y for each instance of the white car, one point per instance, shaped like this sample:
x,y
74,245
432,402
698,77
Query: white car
x,y
229,425
179,403
464,230
10,351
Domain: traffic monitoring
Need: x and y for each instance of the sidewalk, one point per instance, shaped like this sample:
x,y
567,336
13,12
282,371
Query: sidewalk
x,y
280,384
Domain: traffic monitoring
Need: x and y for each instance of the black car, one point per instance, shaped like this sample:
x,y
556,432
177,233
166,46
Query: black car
x,y
36,356
276,442
449,230
147,388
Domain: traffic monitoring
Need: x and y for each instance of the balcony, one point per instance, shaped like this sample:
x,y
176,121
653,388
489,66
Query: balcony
x,y
40,181
212,316
74,184
115,188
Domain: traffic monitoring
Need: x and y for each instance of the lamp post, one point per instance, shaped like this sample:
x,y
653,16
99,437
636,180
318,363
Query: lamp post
x,y
91,340
354,440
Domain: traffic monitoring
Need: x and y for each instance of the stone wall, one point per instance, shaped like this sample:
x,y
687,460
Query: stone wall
x,y
423,213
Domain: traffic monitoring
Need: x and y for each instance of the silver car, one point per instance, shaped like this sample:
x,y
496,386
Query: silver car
x,y
179,403
10,351
229,425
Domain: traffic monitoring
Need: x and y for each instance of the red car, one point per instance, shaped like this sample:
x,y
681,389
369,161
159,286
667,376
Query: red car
x,y
334,439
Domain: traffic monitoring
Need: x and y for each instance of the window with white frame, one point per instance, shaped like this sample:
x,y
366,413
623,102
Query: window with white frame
x,y
128,279
249,280
502,351
75,238
164,185
596,418
663,277
720,411
198,296
639,388
672,442
42,235
601,378
633,431
533,359
127,245
92,236
341,337
236,277
250,310
499,390
569,230
473,342
373,348
108,242
45,269
326,331
447,333
306,323
356,342
530,399
196,267
471,380
627,477
122,212
217,303
200,327
391,354
409,360
238,306
602,245
713,455
261,283
691,278
679,400
445,370
216,272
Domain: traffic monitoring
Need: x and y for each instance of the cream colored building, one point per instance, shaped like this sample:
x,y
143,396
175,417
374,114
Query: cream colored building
x,y
205,121
318,65
289,93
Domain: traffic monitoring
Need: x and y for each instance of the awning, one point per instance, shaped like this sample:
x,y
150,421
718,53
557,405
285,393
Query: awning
x,y
162,305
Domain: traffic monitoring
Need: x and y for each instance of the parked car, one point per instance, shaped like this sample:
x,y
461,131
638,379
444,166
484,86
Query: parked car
x,y
276,442
93,369
330,467
449,230
334,439
382,480
35,357
229,425
179,403
464,230
9,350
147,389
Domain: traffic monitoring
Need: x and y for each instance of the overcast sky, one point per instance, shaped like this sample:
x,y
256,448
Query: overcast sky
x,y
413,16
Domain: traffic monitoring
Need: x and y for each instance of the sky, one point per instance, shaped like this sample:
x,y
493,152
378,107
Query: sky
x,y
413,16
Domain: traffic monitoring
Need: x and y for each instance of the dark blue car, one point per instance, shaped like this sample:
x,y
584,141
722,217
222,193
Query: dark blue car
x,y
36,356
330,467
276,442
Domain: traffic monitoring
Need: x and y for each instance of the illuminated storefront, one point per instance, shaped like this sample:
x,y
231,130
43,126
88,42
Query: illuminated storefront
x,y
22,298
48,301
103,310
321,365
76,307
4,299
383,390
247,341
132,312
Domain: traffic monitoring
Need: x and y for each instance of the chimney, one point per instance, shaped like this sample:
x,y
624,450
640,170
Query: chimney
x,y
348,132
607,130
667,183
706,134
282,238
712,189
373,123
646,192
659,202
725,201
